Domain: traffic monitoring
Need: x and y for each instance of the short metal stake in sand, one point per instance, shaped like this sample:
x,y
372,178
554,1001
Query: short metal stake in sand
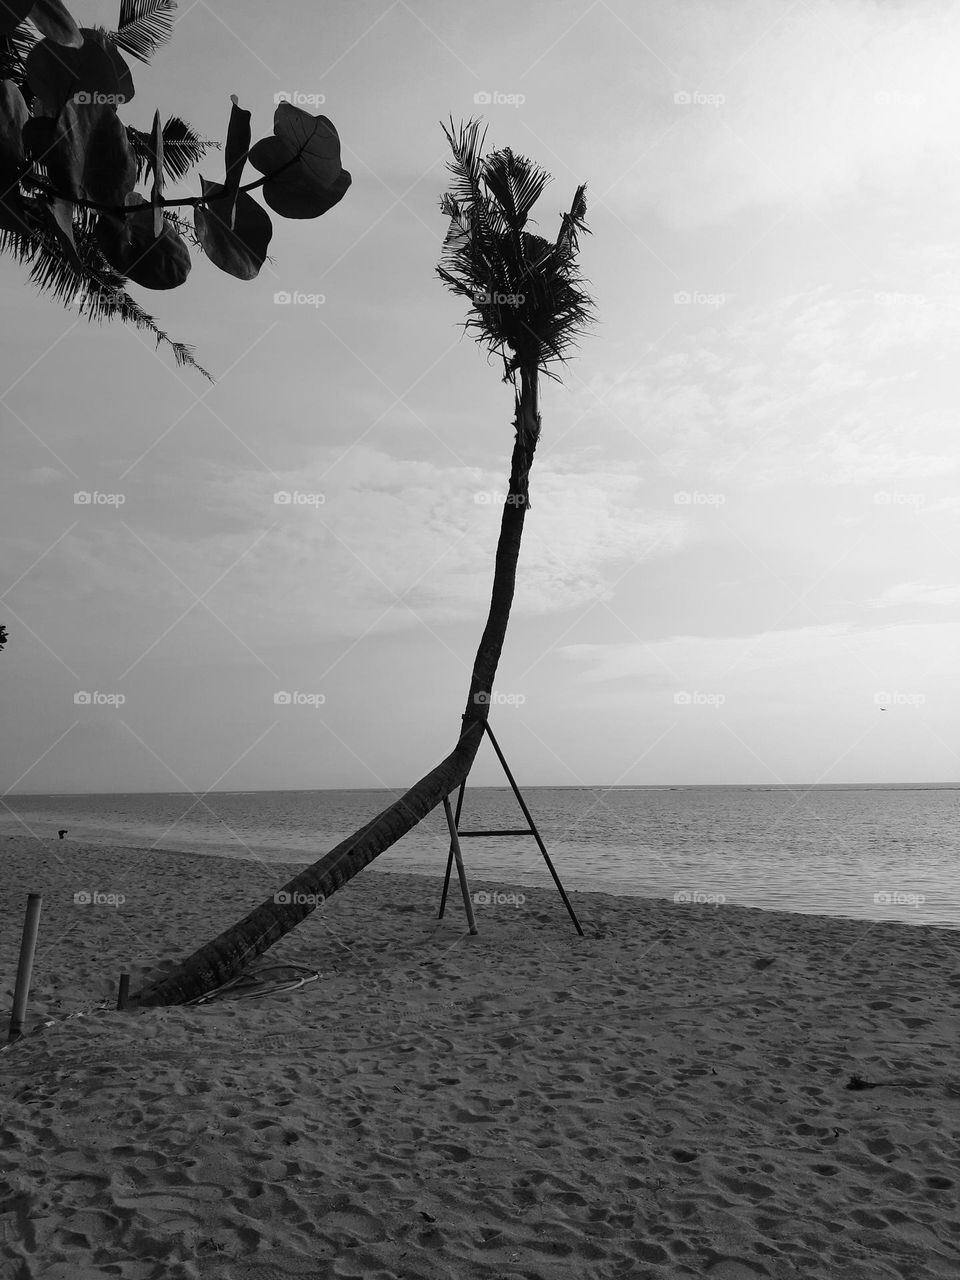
x,y
123,991
529,830
28,945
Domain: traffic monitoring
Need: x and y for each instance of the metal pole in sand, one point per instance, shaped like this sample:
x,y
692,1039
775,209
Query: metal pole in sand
x,y
123,991
446,878
533,827
455,847
28,945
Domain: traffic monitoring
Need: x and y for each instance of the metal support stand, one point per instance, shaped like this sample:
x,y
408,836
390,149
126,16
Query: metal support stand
x,y
462,875
28,945
456,835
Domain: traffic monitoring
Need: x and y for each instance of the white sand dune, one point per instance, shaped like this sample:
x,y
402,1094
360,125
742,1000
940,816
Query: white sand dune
x,y
664,1098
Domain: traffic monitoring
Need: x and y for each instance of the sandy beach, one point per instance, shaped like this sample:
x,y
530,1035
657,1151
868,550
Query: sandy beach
x,y
666,1097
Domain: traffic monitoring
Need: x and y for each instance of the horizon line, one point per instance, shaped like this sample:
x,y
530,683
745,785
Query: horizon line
x,y
530,786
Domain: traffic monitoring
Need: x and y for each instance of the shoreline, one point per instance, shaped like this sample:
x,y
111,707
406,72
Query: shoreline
x,y
286,867
665,1098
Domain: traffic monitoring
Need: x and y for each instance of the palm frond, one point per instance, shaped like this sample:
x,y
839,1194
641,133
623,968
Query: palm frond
x,y
467,198
573,222
528,301
515,184
187,229
143,25
467,163
96,290
14,48
183,148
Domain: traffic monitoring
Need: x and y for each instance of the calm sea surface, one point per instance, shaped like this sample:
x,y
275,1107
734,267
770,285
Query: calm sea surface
x,y
866,852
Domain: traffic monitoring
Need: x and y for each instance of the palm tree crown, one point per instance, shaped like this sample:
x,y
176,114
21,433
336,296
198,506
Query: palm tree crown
x,y
529,305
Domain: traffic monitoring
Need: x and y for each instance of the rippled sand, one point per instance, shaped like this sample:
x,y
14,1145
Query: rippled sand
x,y
664,1098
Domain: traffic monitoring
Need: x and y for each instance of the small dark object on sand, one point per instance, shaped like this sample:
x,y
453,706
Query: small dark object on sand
x,y
858,1082
62,832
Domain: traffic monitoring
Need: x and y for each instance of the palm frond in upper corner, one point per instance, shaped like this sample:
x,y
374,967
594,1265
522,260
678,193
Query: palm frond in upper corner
x,y
96,290
143,25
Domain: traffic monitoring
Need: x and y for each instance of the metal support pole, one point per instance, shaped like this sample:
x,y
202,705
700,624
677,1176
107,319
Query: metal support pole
x,y
533,826
28,945
446,879
455,850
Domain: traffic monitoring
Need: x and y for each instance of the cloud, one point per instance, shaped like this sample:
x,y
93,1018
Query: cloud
x,y
822,661
365,541
874,458
399,544
831,386
43,475
675,661
918,593
819,101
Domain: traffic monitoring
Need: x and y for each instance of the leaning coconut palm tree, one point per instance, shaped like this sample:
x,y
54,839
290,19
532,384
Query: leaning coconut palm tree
x,y
528,306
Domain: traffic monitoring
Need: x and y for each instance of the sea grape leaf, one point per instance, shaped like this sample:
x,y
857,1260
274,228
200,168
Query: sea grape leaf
x,y
95,73
301,162
86,152
312,139
291,201
13,116
53,19
39,135
235,152
239,250
100,152
12,13
51,73
130,246
96,36
156,163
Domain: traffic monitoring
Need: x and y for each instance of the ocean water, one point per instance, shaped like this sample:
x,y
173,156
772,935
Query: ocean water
x,y
882,853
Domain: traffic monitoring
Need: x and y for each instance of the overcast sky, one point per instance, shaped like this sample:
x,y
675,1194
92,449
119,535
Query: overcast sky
x,y
744,532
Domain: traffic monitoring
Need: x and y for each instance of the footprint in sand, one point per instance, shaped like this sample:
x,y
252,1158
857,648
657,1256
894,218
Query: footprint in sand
x,y
880,1147
746,1187
734,1269
936,1183
352,1224
453,1152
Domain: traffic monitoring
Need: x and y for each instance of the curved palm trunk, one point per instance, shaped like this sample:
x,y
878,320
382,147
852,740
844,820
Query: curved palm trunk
x,y
220,960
